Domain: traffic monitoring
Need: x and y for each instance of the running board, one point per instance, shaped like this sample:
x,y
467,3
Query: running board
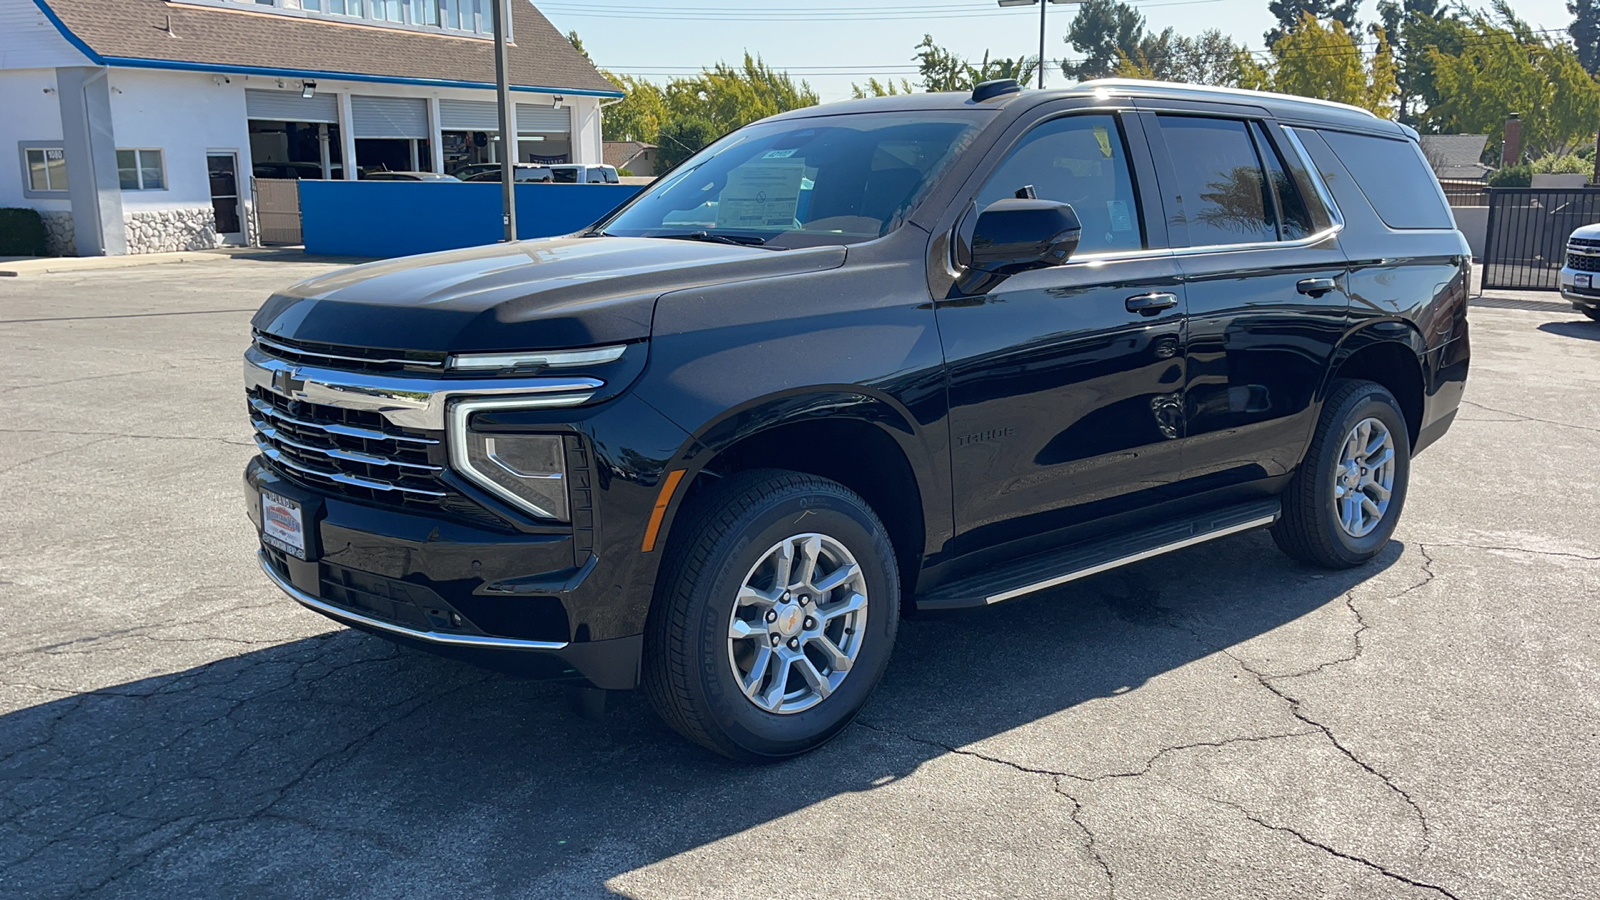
x,y
1056,567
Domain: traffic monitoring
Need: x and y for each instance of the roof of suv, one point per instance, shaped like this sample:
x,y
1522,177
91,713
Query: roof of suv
x,y
1282,106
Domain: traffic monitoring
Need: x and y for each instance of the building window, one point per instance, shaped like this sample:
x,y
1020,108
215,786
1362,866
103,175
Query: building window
x,y
141,170
474,16
47,169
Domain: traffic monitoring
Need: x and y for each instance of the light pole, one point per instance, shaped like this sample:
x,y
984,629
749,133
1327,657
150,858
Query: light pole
x,y
1042,8
508,120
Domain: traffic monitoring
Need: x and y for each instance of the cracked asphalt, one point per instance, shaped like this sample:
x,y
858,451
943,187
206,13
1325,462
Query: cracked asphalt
x,y
1220,722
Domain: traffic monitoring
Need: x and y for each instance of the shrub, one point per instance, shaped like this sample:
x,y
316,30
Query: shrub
x,y
624,173
1512,176
1570,164
21,233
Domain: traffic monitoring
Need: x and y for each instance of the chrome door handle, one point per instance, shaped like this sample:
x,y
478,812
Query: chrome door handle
x,y
1152,303
1316,287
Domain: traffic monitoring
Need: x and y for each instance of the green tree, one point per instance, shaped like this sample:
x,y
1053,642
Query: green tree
x,y
577,44
728,96
1493,66
1103,33
876,88
1324,60
681,137
1290,13
1585,32
639,116
1207,58
941,70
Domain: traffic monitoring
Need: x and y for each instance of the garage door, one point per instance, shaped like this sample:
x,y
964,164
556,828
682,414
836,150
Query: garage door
x,y
543,120
468,115
284,106
389,117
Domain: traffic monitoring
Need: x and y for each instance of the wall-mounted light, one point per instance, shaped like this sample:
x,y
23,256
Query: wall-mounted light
x,y
559,100
49,90
221,79
308,89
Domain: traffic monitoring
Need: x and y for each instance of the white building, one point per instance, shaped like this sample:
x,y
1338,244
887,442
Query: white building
x,y
137,124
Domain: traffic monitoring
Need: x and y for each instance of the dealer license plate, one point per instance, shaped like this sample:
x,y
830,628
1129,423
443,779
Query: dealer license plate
x,y
283,524
1582,281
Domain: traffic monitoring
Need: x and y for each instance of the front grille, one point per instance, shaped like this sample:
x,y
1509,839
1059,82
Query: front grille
x,y
1583,262
353,359
1583,242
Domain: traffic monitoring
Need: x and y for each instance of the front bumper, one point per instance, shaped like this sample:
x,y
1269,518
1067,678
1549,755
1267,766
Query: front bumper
x,y
1580,298
515,602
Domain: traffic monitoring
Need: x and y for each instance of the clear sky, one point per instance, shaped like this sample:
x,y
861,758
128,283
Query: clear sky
x,y
831,43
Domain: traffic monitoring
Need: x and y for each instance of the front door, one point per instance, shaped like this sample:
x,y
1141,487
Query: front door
x,y
1065,397
225,200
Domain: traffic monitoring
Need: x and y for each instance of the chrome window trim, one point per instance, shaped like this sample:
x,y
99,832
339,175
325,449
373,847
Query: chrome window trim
x,y
456,443
432,637
371,361
418,403
1316,176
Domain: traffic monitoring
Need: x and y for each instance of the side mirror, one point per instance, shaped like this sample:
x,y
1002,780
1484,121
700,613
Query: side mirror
x,y
1017,235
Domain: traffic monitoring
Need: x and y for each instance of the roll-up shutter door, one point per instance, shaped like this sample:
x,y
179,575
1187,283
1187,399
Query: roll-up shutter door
x,y
543,120
284,106
389,117
468,115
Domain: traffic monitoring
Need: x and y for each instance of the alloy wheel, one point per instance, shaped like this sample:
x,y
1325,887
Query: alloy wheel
x,y
1363,478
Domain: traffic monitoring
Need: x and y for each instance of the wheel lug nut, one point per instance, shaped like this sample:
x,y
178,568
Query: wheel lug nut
x,y
804,600
772,615
810,623
776,639
794,643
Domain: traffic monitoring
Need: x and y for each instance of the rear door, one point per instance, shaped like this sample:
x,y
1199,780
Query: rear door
x,y
1065,395
1267,286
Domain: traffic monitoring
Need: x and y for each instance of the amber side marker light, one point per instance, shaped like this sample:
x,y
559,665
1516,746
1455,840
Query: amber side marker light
x,y
668,485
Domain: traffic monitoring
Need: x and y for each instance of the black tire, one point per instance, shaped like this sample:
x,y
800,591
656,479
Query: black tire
x,y
725,533
1591,312
1309,529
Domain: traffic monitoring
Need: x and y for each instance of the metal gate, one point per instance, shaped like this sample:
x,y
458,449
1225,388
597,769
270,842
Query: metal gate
x,y
1527,234
278,210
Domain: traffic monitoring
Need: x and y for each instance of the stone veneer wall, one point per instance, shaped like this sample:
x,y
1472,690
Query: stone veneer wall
x,y
59,238
169,230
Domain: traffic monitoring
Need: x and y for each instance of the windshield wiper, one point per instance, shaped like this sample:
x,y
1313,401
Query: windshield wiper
x,y
737,240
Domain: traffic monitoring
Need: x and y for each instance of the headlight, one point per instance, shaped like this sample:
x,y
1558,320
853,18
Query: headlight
x,y
527,470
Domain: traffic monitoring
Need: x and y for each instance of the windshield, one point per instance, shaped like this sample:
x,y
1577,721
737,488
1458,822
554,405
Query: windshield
x,y
803,182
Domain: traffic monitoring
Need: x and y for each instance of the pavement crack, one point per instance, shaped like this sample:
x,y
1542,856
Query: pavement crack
x,y
1380,869
106,435
1503,549
1525,418
1092,842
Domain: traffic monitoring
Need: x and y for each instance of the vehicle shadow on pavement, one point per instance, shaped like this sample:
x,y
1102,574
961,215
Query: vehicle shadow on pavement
x,y
1583,328
341,765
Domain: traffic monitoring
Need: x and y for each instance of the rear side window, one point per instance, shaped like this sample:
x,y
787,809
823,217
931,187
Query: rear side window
x,y
1294,218
1394,177
1222,193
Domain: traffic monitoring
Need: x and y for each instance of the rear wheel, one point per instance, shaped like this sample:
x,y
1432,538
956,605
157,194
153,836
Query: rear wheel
x,y
1345,500
774,616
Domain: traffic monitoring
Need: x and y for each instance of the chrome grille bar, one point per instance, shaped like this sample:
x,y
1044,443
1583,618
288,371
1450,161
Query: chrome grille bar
x,y
280,458
277,437
369,434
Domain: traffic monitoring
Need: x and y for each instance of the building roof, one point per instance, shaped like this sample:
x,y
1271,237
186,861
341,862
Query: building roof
x,y
1453,149
620,153
224,39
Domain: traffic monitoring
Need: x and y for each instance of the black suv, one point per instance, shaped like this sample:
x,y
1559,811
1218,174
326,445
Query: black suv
x,y
862,361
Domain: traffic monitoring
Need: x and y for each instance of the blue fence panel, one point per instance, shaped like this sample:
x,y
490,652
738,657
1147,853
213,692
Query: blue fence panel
x,y
400,218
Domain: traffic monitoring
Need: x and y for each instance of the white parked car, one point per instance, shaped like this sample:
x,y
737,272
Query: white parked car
x,y
575,174
1580,277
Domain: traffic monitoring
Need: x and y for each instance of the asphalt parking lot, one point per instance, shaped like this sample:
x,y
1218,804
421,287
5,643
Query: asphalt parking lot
x,y
1216,723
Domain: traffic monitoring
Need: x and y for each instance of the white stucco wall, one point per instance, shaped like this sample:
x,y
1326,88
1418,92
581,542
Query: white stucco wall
x,y
587,146
30,114
185,115
28,40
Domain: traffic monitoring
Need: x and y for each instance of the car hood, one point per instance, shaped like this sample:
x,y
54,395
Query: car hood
x,y
1590,232
529,295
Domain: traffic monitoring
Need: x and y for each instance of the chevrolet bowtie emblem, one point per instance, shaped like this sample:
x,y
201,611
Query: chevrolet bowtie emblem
x,y
288,382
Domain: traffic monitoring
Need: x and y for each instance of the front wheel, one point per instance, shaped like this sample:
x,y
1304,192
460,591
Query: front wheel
x,y
1345,500
1592,312
774,615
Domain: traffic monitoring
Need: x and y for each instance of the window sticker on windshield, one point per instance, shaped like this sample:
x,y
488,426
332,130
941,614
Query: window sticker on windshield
x,y
761,196
1120,220
780,154
1104,137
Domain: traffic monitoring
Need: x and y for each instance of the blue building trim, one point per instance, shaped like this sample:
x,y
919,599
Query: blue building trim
x,y
223,69
66,32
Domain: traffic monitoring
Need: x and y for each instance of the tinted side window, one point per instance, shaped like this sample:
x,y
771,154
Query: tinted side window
x,y
1222,192
566,176
1294,217
1080,160
1395,178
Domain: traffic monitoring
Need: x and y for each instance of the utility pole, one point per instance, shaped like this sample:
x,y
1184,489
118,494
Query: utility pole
x,y
1043,5
508,120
